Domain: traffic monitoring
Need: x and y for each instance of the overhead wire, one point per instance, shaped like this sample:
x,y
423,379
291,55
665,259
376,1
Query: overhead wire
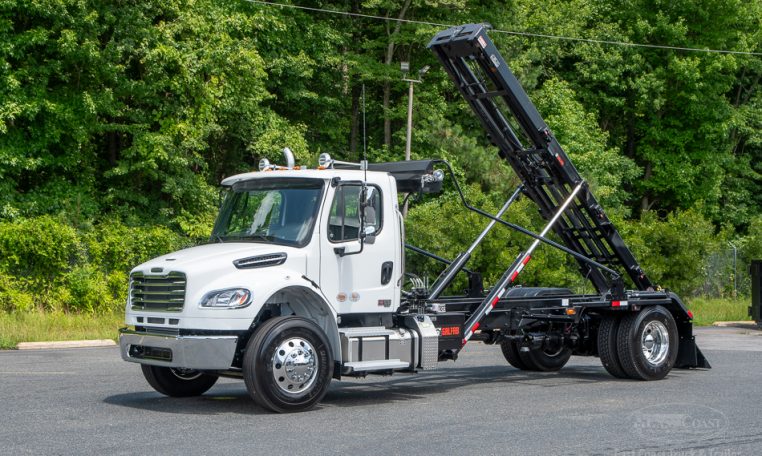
x,y
509,32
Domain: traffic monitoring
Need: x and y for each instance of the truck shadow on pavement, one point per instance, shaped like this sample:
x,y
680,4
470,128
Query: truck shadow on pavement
x,y
231,397
404,387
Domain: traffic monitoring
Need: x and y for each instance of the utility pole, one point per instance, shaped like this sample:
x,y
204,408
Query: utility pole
x,y
405,68
409,118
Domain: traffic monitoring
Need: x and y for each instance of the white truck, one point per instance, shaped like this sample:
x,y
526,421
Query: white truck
x,y
303,280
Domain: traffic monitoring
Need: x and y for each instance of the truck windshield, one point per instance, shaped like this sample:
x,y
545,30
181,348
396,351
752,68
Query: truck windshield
x,y
278,211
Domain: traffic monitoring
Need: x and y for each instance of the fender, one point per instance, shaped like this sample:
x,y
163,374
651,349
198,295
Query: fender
x,y
304,299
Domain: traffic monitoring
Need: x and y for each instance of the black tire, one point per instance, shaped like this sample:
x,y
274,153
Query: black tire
x,y
268,381
511,353
633,343
607,345
546,359
178,382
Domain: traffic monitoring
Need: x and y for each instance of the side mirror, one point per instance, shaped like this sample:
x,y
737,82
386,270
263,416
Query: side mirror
x,y
369,235
369,225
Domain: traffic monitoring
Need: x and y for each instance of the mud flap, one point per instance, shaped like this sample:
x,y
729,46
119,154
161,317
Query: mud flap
x,y
689,355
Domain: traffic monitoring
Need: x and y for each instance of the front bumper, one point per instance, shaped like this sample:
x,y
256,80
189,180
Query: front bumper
x,y
189,352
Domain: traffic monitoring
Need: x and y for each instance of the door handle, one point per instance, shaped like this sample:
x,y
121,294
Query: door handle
x,y
386,272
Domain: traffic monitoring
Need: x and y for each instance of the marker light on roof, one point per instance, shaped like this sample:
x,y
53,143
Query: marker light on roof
x,y
325,160
264,164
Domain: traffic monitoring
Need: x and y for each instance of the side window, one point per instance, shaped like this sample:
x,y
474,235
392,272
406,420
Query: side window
x,y
344,219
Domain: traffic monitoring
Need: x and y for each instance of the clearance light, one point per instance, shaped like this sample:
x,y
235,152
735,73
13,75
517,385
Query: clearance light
x,y
325,160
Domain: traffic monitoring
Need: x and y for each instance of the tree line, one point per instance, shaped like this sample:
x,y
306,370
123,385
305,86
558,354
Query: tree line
x,y
128,114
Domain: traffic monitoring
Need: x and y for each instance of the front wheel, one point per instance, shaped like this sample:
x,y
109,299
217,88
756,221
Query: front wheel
x,y
647,343
288,364
178,382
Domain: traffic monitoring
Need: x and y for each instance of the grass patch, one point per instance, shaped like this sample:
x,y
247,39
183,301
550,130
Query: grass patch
x,y
54,326
708,310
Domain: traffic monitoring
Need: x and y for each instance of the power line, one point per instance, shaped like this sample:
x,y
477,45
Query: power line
x,y
508,32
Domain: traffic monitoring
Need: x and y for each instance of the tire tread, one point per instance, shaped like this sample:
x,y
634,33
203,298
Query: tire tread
x,y
162,380
625,346
607,346
511,354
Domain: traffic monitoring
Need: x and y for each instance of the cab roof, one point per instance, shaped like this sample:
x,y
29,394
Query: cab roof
x,y
326,174
408,174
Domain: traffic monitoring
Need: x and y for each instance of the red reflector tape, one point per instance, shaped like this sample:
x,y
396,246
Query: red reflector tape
x,y
526,260
475,327
618,303
514,275
560,160
494,301
690,315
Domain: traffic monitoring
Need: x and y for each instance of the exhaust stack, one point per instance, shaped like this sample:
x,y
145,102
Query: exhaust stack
x,y
290,162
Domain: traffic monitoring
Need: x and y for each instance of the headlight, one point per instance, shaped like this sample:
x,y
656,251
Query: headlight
x,y
233,298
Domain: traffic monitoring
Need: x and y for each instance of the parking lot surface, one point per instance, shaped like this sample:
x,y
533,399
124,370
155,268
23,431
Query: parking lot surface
x,y
89,401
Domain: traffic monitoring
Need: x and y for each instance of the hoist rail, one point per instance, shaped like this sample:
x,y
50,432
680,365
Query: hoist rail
x,y
496,97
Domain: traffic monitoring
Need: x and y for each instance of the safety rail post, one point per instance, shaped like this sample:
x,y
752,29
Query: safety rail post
x,y
486,306
447,276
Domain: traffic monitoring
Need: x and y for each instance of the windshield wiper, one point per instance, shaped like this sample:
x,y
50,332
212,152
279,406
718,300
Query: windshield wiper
x,y
263,237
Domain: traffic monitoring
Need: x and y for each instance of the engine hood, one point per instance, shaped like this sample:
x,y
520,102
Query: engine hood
x,y
210,257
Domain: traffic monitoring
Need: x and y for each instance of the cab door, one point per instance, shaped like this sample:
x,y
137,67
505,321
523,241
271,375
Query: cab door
x,y
360,277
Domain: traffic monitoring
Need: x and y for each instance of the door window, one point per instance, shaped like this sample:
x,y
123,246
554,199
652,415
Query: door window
x,y
344,220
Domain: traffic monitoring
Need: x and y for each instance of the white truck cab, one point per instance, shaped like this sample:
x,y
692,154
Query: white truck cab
x,y
313,246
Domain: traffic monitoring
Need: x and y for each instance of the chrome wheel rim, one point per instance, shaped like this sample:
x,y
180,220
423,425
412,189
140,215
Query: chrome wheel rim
x,y
185,374
294,366
655,343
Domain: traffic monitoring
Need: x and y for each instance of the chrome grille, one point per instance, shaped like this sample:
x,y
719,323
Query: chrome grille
x,y
157,292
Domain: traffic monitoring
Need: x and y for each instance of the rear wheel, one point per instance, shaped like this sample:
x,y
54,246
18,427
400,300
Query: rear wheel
x,y
647,343
607,346
288,364
178,382
548,358
511,354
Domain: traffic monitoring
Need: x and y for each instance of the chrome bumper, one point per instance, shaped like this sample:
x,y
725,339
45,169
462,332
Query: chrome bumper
x,y
190,352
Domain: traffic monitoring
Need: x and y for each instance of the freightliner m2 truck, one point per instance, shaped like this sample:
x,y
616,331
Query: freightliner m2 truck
x,y
303,280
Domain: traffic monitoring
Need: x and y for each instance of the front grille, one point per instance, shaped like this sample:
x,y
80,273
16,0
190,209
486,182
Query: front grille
x,y
157,292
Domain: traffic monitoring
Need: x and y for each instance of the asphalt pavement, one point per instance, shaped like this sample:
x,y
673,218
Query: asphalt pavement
x,y
89,401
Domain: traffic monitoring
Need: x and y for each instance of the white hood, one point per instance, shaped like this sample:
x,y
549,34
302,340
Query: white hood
x,y
206,259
